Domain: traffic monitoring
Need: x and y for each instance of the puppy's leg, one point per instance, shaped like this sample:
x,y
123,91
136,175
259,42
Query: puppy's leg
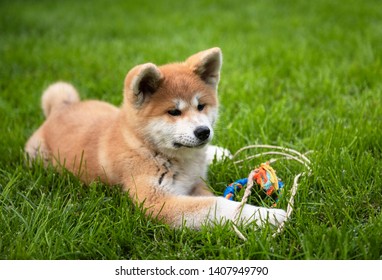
x,y
225,209
195,211
216,152
35,147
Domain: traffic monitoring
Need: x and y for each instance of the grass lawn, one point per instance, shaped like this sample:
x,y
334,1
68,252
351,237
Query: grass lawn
x,y
305,75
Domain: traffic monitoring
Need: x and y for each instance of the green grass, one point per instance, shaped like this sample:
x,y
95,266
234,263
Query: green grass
x,y
301,74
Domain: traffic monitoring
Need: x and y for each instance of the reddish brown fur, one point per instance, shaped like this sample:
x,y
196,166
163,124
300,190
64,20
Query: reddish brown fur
x,y
95,140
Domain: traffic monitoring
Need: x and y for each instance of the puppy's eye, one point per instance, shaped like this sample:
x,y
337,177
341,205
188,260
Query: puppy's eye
x,y
201,107
174,112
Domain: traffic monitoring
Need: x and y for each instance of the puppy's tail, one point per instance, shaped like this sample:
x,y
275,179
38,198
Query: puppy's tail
x,y
57,95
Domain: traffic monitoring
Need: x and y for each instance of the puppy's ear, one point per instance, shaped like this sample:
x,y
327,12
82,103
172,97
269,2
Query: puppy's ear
x,y
141,82
207,64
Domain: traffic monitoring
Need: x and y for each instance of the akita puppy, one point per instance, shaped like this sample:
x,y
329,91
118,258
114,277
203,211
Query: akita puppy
x,y
155,145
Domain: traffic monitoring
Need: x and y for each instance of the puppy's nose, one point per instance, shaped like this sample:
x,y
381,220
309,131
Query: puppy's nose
x,y
202,133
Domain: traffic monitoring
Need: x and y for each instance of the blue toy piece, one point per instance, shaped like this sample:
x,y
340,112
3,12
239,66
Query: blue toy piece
x,y
236,186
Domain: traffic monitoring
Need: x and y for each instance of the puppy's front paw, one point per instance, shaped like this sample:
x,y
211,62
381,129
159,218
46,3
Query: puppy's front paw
x,y
218,153
276,216
262,215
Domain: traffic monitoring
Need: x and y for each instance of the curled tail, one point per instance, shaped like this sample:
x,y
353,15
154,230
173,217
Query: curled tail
x,y
58,94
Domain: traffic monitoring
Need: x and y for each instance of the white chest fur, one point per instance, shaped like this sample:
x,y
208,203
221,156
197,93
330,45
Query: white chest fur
x,y
179,176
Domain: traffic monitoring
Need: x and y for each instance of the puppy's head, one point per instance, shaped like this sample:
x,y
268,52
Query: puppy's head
x,y
174,107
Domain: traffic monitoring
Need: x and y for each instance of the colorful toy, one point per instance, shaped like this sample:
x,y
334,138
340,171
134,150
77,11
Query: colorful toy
x,y
266,180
